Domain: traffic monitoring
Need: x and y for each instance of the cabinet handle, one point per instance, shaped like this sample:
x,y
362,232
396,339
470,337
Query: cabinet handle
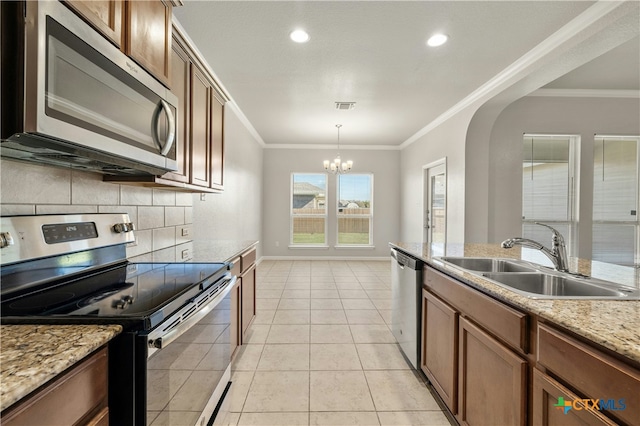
x,y
171,136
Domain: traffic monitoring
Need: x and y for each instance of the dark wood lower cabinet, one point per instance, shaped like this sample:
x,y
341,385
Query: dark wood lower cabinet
x,y
236,317
76,397
440,347
512,366
492,380
248,298
547,412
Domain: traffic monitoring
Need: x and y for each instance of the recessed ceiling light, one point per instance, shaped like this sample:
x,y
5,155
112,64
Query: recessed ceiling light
x,y
437,40
299,36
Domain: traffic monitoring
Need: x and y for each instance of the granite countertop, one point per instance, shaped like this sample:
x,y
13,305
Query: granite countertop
x,y
219,250
610,323
31,355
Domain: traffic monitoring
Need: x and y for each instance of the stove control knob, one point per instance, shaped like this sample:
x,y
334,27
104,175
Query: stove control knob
x,y
128,299
121,228
6,239
120,304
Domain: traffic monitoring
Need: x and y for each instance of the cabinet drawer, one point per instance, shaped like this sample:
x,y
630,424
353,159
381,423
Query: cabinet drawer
x,y
590,372
546,412
74,396
236,266
503,321
248,259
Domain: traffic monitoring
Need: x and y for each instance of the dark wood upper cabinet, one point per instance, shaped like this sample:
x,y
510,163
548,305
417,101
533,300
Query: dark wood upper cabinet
x,y
200,128
105,16
141,29
180,83
217,142
148,39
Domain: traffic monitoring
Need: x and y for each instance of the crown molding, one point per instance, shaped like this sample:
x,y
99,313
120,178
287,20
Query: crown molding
x,y
230,101
574,27
245,121
586,93
334,146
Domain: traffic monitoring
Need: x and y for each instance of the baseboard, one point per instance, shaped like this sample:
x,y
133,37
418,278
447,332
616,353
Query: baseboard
x,y
346,258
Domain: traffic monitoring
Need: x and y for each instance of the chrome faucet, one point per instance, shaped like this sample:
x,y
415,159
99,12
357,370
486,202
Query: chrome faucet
x,y
557,253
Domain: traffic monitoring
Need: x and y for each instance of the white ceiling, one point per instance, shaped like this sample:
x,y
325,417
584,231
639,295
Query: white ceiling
x,y
369,52
618,69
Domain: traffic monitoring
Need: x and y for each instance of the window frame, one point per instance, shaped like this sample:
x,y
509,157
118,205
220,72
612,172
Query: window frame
x,y
573,188
338,215
325,216
634,223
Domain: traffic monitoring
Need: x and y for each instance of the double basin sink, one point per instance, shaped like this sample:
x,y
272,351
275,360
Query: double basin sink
x,y
538,282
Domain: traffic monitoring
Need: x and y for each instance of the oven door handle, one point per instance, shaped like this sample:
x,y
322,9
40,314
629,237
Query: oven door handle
x,y
165,339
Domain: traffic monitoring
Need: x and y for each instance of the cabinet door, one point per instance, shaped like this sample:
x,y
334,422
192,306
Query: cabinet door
x,y
547,410
236,317
74,397
217,142
200,128
149,36
106,16
440,347
180,78
492,380
248,298
591,372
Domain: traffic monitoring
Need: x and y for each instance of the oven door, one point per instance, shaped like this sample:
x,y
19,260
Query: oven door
x,y
188,360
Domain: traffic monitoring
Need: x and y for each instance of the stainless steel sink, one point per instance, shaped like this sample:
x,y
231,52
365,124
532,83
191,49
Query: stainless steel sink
x,y
486,264
557,286
538,282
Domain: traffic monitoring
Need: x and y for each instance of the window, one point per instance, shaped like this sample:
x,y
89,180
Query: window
x,y
548,187
308,209
355,209
615,199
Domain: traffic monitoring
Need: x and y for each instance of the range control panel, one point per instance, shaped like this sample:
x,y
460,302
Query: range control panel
x,y
33,237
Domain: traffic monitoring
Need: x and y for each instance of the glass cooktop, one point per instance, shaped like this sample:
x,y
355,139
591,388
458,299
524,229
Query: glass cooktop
x,y
128,290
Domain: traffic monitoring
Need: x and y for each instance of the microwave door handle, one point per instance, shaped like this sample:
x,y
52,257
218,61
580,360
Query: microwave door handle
x,y
171,135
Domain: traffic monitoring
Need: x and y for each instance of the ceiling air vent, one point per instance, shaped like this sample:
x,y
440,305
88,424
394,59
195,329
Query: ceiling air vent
x,y
345,106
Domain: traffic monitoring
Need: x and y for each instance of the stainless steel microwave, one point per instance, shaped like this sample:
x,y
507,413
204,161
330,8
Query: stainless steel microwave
x,y
70,98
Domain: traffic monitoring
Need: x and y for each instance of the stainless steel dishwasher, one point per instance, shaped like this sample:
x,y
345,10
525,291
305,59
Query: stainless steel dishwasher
x,y
406,285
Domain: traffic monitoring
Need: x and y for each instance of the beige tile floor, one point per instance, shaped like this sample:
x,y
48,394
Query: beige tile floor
x,y
320,351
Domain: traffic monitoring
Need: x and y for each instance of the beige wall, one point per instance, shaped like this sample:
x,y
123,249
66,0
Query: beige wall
x,y
547,115
235,214
278,166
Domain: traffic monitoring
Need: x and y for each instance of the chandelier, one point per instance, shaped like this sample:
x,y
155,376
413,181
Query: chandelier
x,y
337,166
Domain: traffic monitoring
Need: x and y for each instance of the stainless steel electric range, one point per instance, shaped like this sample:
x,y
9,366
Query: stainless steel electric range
x,y
171,363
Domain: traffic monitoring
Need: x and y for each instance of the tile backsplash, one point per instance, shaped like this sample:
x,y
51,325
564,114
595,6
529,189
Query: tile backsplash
x,y
163,218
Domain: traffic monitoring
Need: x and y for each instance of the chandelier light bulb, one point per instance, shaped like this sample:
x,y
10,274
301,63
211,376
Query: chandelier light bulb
x,y
337,166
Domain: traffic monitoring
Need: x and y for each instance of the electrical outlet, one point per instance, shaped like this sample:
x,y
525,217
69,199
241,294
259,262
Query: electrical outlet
x,y
203,197
277,243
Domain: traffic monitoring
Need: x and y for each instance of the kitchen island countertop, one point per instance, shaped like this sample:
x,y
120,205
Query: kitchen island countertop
x,y
31,355
610,323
